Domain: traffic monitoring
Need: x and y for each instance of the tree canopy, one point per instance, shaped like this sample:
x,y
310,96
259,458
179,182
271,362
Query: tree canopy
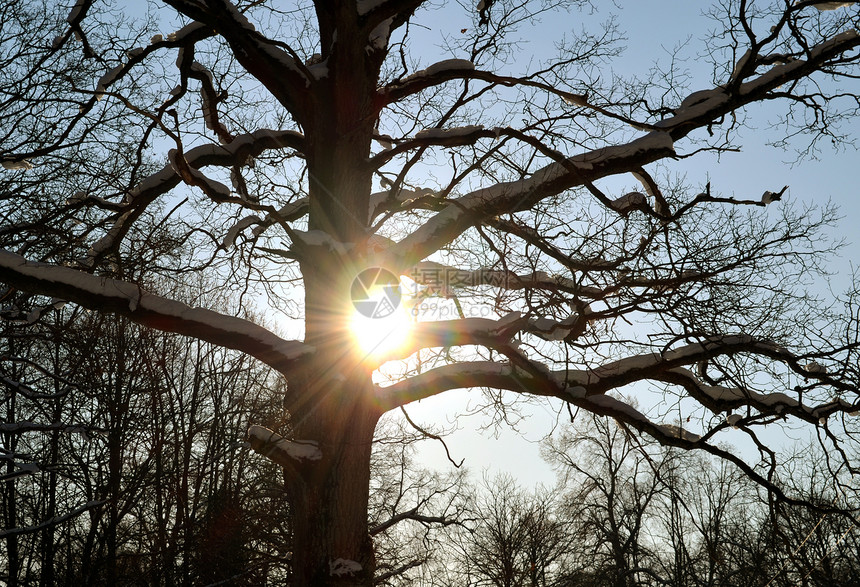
x,y
307,158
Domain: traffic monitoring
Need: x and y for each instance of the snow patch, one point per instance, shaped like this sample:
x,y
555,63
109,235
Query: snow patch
x,y
822,6
628,202
379,35
22,164
300,450
341,566
107,79
677,432
442,133
441,66
218,188
233,233
815,368
319,70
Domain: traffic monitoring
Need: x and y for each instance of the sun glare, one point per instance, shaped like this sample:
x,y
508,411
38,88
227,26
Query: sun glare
x,y
380,323
377,337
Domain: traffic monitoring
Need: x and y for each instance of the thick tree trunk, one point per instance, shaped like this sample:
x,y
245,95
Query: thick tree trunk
x,y
329,497
331,403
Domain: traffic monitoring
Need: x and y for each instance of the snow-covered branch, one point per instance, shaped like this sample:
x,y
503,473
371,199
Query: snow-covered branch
x,y
281,450
128,299
573,384
52,521
696,112
268,61
705,106
236,153
509,197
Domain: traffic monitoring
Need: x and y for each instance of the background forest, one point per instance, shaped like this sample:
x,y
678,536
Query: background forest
x,y
190,193
131,468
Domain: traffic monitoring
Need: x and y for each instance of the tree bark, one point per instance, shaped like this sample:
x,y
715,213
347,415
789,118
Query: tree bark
x,y
329,496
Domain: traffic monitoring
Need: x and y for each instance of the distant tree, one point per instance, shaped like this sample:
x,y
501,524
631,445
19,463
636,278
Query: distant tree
x,y
125,460
641,514
245,146
516,539
612,489
412,509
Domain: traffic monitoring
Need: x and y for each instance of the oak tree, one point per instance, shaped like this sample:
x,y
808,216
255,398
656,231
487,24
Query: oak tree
x,y
314,155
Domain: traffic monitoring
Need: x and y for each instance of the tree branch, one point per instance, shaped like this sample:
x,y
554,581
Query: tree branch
x,y
128,299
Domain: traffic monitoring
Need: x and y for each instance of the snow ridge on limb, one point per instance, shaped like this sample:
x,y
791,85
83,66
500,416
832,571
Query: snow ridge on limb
x,y
507,197
459,332
159,183
128,299
273,64
570,384
720,398
556,177
281,450
216,191
582,389
704,106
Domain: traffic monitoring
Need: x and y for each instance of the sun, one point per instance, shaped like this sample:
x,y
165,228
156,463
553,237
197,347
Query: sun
x,y
379,322
378,337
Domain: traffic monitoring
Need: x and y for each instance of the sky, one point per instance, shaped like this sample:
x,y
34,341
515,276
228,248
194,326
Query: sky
x,y
653,29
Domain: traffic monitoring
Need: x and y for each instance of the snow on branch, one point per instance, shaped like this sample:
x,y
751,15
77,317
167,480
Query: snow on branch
x,y
17,164
130,300
439,68
28,426
645,366
465,331
444,378
380,201
217,192
51,521
241,149
273,63
448,133
822,6
508,197
566,384
343,567
720,398
704,106
236,229
288,212
281,450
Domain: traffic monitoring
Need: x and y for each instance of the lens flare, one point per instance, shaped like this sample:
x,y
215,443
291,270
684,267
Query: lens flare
x,y
379,323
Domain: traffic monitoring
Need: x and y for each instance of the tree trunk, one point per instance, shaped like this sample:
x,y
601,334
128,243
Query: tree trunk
x,y
332,402
329,497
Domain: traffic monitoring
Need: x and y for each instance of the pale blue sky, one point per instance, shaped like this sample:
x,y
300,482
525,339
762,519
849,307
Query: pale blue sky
x,y
653,28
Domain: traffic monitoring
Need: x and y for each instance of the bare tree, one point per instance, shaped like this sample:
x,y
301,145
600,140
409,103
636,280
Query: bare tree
x,y
117,137
612,488
516,539
412,509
